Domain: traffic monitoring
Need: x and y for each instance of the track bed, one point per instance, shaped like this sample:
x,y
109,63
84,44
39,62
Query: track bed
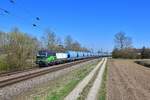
x,y
14,78
23,87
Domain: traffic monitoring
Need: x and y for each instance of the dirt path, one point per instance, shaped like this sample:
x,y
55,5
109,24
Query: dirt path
x,y
92,95
78,89
127,81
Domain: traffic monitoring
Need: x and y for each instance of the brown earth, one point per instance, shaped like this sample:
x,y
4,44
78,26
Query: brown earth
x,y
127,80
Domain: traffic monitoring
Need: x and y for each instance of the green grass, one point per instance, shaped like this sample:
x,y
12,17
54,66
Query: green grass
x,y
103,91
64,85
57,95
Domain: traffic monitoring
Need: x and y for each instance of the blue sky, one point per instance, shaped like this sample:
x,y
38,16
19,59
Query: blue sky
x,y
91,22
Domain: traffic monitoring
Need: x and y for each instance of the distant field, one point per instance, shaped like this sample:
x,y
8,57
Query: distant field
x,y
127,80
145,62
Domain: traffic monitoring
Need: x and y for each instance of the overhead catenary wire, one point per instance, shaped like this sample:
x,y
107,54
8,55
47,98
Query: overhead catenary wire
x,y
4,11
27,11
36,18
12,1
34,23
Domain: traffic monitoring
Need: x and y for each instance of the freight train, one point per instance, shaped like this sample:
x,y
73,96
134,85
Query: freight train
x,y
47,58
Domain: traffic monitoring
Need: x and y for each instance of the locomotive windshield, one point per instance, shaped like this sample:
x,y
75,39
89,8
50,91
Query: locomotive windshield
x,y
42,54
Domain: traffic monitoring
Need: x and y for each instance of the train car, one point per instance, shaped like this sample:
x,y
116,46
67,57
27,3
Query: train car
x,y
46,57
86,54
61,57
80,55
89,54
72,55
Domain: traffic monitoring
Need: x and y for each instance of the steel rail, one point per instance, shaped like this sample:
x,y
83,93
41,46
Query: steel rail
x,y
31,74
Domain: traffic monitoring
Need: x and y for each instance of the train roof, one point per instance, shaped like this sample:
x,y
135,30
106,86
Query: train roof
x,y
48,51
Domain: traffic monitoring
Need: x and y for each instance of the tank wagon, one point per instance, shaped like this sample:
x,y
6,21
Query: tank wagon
x,y
46,57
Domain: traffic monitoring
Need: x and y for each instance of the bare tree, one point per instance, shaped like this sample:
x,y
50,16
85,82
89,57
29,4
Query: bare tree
x,y
68,42
122,41
123,47
49,39
52,42
85,49
3,40
20,50
76,46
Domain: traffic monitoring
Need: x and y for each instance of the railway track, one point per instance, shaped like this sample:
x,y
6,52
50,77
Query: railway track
x,y
12,79
16,72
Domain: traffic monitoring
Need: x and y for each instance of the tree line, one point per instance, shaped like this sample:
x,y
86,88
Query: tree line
x,y
18,49
124,48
